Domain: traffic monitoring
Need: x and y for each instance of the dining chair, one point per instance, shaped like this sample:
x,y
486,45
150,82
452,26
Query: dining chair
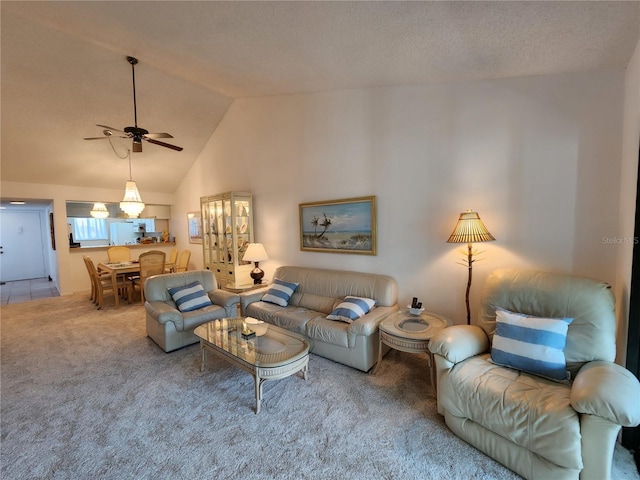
x,y
151,263
93,287
119,253
170,266
103,282
183,261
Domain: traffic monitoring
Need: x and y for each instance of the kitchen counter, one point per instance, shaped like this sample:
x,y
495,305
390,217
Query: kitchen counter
x,y
144,246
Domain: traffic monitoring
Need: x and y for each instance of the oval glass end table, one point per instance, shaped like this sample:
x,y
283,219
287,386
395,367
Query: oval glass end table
x,y
411,333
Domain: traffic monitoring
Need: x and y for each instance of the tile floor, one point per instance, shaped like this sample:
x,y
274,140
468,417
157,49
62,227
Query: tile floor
x,y
26,290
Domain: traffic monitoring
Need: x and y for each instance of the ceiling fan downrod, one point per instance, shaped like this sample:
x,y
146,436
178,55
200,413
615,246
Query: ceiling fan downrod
x,y
133,61
135,131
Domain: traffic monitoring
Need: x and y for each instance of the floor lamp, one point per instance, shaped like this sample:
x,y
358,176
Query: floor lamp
x,y
470,229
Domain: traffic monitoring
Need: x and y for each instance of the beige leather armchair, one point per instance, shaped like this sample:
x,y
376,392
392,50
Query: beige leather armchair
x,y
166,324
539,428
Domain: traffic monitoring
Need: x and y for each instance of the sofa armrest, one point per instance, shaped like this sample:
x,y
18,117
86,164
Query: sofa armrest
x,y
163,312
223,298
607,390
247,298
368,324
459,342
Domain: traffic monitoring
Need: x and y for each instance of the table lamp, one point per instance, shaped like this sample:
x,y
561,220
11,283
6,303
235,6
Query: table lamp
x,y
256,253
470,229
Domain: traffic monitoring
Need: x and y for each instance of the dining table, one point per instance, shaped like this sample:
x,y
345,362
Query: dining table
x,y
119,268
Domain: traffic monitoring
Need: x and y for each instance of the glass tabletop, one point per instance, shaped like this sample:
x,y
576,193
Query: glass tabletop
x,y
420,327
270,347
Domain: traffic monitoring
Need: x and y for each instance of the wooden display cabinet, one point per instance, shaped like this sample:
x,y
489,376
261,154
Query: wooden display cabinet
x,y
227,230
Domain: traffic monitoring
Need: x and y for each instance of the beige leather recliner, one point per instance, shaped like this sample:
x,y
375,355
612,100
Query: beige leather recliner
x,y
539,428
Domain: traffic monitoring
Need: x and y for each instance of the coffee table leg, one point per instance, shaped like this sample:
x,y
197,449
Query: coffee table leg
x,y
258,393
203,356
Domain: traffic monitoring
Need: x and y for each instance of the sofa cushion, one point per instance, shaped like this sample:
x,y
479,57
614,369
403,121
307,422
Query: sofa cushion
x,y
528,410
262,310
351,308
190,297
280,292
328,331
533,344
294,319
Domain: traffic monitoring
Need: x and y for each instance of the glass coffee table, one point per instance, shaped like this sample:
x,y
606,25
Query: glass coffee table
x,y
411,333
271,354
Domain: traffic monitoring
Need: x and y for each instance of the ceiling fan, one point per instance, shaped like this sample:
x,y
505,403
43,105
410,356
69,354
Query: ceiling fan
x,y
136,133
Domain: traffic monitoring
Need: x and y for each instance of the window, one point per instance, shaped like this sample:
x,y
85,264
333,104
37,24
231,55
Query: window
x,y
90,229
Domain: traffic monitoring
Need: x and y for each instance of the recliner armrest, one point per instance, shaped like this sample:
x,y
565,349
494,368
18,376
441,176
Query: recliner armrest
x,y
223,298
607,390
459,342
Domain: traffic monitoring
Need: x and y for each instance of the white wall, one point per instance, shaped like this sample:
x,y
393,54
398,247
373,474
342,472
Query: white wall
x,y
537,157
628,183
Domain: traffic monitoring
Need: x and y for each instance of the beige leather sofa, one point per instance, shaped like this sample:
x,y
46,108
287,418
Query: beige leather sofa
x,y
169,327
539,428
318,293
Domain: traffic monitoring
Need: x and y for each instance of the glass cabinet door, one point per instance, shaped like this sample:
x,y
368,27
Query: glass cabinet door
x,y
206,230
243,226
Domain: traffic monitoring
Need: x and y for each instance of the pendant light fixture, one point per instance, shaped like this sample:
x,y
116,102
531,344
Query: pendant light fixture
x,y
131,204
99,210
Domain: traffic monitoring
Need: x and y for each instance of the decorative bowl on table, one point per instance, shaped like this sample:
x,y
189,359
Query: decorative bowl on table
x,y
415,311
256,325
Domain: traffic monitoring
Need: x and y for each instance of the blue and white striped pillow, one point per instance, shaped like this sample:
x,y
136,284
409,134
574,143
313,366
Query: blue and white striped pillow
x,y
190,297
351,308
532,344
280,292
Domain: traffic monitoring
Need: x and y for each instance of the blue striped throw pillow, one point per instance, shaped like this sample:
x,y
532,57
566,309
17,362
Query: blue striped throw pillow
x,y
280,292
190,297
532,344
351,308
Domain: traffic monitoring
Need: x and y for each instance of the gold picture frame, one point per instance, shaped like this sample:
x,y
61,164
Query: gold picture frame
x,y
339,226
194,222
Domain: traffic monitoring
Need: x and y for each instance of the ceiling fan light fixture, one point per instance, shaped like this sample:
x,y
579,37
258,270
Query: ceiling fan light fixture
x,y
99,210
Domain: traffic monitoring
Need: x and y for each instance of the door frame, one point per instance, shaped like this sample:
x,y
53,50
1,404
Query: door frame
x,y
631,436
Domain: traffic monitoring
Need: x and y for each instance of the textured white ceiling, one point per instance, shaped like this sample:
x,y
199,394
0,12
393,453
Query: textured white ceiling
x,y
64,66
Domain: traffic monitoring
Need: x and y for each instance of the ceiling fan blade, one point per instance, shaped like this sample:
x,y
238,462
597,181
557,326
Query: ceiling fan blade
x,y
111,128
105,137
162,144
158,135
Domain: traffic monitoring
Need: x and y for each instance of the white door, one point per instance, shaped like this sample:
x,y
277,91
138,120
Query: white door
x,y
21,249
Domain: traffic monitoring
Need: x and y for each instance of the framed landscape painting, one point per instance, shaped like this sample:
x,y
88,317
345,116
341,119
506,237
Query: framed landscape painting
x,y
339,226
195,227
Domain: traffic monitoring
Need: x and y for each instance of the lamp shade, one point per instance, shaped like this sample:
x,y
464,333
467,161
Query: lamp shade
x,y
131,204
255,253
99,210
470,229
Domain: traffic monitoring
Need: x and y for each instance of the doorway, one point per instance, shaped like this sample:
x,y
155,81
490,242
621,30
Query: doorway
x,y
21,245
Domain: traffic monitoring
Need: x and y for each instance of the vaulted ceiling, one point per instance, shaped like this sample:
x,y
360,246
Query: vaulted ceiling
x,y
64,67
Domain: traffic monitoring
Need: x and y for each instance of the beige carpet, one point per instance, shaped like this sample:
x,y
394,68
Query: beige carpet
x,y
86,395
